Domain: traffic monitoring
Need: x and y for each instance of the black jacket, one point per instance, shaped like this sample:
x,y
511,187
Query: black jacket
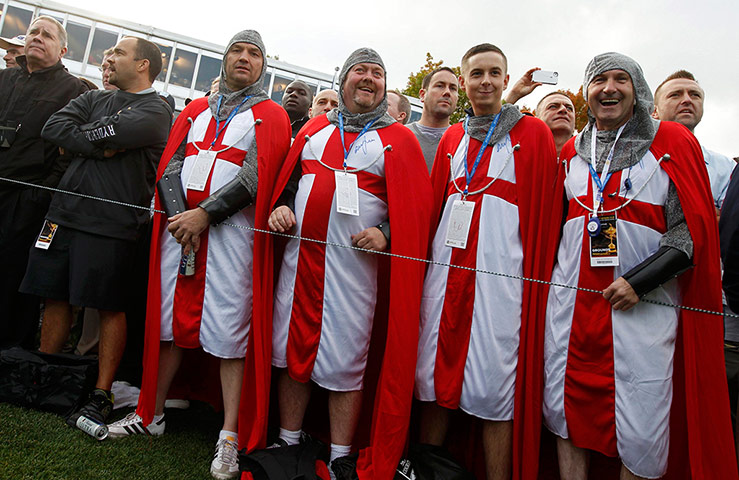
x,y
137,124
27,100
729,232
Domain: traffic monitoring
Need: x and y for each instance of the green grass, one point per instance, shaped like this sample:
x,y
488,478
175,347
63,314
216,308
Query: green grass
x,y
38,445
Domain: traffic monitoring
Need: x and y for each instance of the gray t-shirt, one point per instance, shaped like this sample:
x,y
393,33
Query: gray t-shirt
x,y
429,138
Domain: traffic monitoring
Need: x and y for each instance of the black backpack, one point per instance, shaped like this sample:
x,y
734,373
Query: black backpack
x,y
294,462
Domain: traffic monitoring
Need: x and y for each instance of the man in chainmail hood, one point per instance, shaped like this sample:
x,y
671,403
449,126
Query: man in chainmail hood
x,y
609,358
497,215
361,175
221,162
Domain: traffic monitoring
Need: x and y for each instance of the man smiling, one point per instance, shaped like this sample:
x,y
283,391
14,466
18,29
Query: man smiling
x,y
639,214
478,331
360,176
557,111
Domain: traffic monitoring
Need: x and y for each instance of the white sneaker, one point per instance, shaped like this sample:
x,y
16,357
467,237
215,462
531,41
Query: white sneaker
x,y
225,464
133,424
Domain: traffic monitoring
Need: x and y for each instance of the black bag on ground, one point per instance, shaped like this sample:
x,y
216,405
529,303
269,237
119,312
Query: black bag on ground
x,y
294,462
430,462
55,383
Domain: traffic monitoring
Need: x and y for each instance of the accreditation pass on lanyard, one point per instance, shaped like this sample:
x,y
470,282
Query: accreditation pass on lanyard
x,y
347,193
347,186
459,224
206,158
461,215
200,170
601,227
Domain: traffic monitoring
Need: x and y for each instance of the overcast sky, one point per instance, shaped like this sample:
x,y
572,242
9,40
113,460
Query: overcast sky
x,y
663,36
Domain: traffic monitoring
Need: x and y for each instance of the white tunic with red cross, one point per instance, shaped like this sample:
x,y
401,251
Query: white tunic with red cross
x,y
330,288
217,299
608,374
493,302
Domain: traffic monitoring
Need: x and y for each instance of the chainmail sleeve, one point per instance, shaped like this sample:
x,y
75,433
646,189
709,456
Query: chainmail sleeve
x,y
175,163
248,174
677,235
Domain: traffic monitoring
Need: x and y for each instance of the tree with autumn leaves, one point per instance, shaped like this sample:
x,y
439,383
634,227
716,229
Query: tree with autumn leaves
x,y
415,80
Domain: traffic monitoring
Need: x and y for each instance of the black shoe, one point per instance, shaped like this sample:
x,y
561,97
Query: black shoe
x,y
97,408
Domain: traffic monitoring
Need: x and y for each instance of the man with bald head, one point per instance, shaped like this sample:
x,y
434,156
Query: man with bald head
x,y
679,98
324,102
31,93
297,101
220,164
558,112
354,177
625,376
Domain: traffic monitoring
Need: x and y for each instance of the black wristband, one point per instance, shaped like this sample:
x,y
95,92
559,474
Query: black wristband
x,y
226,201
665,264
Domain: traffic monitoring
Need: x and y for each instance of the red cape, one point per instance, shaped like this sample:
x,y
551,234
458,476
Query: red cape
x,y
273,141
409,209
701,438
537,171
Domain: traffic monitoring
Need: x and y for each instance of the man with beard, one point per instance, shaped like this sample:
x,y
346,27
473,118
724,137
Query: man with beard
x,y
439,94
210,284
626,377
85,253
358,176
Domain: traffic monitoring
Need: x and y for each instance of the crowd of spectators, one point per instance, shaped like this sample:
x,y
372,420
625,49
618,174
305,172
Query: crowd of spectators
x,y
625,210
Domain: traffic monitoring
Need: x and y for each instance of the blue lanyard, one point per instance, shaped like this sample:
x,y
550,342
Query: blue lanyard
x,y
341,131
219,130
485,143
602,181
596,179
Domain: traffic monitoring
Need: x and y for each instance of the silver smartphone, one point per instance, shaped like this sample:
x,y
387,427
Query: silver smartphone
x,y
544,76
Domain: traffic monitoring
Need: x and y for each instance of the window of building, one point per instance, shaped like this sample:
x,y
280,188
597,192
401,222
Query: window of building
x,y
267,79
166,54
101,41
183,68
58,16
278,88
209,69
77,40
17,21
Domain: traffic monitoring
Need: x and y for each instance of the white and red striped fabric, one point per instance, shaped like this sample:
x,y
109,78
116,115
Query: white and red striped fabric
x,y
213,307
493,302
608,374
335,288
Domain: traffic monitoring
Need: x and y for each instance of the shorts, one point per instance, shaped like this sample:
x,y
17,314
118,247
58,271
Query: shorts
x,y
84,269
